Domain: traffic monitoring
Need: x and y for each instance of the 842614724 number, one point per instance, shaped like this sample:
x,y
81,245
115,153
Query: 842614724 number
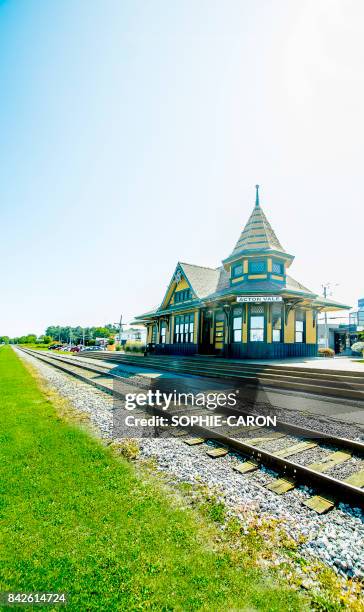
x,y
36,598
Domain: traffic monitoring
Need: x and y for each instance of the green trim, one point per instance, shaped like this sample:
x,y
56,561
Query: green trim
x,y
267,251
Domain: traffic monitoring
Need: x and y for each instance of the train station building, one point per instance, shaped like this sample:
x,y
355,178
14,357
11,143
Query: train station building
x,y
249,307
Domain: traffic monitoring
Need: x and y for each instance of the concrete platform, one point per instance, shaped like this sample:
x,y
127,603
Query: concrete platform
x,y
350,364
345,411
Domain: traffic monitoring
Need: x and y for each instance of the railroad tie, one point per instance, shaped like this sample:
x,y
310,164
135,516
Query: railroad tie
x,y
246,466
321,503
217,452
330,461
282,485
357,480
267,438
299,447
194,441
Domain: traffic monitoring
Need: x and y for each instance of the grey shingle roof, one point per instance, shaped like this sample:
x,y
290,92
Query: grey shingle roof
x,y
202,280
296,286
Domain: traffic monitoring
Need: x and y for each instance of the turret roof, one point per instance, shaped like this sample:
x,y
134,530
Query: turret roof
x,y
258,234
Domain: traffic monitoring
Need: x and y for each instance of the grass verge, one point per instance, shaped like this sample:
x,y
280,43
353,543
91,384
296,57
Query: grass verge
x,y
77,519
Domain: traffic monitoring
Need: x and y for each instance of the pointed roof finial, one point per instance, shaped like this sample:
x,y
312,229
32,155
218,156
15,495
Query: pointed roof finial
x,y
257,196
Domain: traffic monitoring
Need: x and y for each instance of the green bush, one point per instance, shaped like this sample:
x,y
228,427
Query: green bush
x,y
358,347
326,352
134,347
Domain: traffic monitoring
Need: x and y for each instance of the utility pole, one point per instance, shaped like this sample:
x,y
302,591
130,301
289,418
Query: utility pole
x,y
120,328
83,337
327,290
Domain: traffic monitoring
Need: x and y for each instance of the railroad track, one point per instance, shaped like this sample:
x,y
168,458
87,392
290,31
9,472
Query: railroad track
x,y
253,449
338,383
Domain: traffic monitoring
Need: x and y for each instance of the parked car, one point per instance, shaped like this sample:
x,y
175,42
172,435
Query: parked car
x,y
75,349
55,347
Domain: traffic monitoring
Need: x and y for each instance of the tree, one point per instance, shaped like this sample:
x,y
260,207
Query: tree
x,y
4,339
47,339
101,332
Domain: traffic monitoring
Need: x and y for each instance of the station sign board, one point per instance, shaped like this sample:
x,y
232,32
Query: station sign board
x,y
259,298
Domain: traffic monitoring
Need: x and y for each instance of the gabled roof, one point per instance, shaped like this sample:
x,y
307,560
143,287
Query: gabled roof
x,y
206,283
203,280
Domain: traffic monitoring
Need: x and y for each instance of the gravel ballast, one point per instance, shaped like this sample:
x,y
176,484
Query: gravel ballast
x,y
337,538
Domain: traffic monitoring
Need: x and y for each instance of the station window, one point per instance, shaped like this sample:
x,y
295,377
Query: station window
x,y
182,296
257,267
300,326
257,323
154,333
276,322
237,270
163,332
277,267
183,328
237,324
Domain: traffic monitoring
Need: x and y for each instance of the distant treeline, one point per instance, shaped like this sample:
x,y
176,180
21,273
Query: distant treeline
x,y
57,333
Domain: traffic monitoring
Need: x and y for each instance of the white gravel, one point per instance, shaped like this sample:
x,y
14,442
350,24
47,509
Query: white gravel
x,y
337,538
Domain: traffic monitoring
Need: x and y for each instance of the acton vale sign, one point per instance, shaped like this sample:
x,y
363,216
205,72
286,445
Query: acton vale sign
x,y
259,298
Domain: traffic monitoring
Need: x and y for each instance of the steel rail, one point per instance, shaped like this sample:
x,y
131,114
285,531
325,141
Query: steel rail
x,y
337,489
302,432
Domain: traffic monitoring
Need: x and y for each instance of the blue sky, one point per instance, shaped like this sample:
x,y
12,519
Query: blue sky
x,y
133,133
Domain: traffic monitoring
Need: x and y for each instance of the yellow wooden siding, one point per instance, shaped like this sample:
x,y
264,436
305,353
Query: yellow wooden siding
x,y
245,264
310,329
169,297
289,328
269,323
277,277
269,264
195,328
245,324
237,280
256,276
183,284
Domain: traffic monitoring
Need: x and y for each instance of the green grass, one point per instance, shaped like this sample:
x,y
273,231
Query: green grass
x,y
75,518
